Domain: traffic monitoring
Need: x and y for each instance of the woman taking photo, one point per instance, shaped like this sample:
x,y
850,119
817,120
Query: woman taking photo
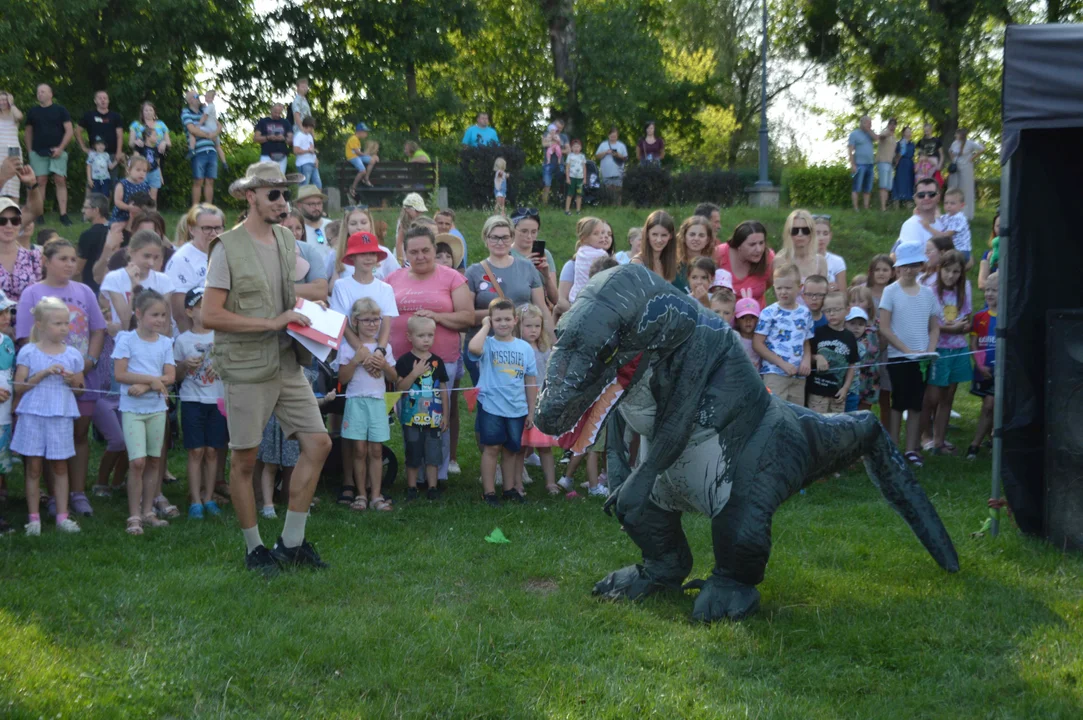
x,y
798,246
747,258
526,223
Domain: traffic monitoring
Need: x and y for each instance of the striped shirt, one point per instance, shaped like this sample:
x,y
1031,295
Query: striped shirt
x,y
191,117
909,316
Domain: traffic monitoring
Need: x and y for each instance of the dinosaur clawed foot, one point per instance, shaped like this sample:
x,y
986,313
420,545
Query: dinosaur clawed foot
x,y
723,598
629,583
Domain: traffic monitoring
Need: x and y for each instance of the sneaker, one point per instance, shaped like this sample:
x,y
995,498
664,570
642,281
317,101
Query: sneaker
x,y
489,498
68,525
50,506
510,495
261,560
972,452
453,467
432,493
565,457
526,477
268,511
533,459
102,491
65,220
568,212
211,508
80,505
195,511
565,484
33,529
520,497
303,554
411,494
599,490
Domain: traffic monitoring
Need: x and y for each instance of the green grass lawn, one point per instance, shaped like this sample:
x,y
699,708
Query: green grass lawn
x,y
420,617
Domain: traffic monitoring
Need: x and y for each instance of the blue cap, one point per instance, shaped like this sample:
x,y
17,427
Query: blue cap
x,y
360,126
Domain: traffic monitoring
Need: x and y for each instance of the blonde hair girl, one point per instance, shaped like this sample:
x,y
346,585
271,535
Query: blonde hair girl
x,y
354,221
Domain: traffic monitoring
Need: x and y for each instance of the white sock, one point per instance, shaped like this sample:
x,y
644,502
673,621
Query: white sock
x,y
251,537
293,532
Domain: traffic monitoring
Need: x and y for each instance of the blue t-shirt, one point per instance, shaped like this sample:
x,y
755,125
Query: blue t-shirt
x,y
144,358
504,369
785,333
477,136
864,152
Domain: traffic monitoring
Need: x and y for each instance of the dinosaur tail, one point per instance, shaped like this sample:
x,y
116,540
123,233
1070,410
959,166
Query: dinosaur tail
x,y
840,439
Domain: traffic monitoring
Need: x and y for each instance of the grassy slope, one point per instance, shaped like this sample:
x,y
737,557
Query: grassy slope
x,y
420,617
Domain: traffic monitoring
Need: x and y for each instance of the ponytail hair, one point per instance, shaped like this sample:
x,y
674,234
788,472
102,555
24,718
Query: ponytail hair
x,y
54,246
45,306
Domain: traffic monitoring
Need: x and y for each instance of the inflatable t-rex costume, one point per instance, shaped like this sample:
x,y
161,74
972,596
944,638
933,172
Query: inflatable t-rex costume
x,y
713,440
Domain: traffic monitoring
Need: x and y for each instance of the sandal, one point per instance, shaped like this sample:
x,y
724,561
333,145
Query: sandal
x,y
359,503
154,521
348,496
382,505
135,525
914,458
553,489
164,509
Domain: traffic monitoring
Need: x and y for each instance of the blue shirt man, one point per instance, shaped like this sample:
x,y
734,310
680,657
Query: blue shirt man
x,y
480,133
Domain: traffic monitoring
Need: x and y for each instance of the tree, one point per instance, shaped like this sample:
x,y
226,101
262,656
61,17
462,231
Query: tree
x,y
560,19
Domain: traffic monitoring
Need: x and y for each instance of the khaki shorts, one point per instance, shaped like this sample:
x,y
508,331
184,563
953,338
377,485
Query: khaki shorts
x,y
249,406
784,387
824,405
48,165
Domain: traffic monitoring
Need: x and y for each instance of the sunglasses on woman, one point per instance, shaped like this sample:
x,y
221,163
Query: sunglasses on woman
x,y
15,221
794,232
524,213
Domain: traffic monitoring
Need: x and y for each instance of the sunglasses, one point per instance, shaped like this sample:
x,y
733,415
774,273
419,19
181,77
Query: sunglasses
x,y
822,217
523,213
275,194
15,221
928,194
800,231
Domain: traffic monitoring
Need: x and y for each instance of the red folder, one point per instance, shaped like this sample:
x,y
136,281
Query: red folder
x,y
326,329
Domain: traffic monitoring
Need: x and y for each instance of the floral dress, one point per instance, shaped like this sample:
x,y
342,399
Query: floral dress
x,y
25,272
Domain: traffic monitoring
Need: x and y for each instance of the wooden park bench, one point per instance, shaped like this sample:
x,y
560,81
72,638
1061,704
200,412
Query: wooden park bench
x,y
390,181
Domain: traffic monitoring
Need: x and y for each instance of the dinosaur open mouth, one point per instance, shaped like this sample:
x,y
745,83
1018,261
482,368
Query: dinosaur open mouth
x,y
585,432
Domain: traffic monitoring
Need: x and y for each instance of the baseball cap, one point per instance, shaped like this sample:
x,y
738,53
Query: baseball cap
x,y
193,296
857,313
360,126
9,203
6,303
746,306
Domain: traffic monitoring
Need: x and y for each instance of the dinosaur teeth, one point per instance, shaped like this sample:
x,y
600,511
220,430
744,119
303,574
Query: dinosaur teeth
x,y
586,431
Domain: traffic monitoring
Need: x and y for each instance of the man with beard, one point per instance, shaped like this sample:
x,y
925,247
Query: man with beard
x,y
310,200
248,302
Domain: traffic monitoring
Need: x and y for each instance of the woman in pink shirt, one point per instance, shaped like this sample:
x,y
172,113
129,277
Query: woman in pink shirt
x,y
748,259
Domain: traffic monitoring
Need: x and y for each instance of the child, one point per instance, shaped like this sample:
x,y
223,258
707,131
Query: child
x,y
7,374
881,274
208,122
635,236
144,366
835,354
500,183
836,266
145,254
364,254
865,389
700,277
364,422
782,339
952,291
953,223
304,153
508,389
98,165
203,426
103,388
150,152
935,247
748,316
813,293
983,343
592,243
135,182
48,375
910,327
574,171
724,303
532,330
425,406
444,255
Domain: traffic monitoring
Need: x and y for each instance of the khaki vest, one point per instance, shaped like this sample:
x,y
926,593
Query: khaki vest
x,y
253,357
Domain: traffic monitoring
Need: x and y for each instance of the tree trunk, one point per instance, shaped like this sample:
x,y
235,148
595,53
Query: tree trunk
x,y
411,96
1053,11
560,16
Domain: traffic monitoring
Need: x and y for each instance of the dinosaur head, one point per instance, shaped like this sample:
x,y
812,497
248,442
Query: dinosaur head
x,y
625,319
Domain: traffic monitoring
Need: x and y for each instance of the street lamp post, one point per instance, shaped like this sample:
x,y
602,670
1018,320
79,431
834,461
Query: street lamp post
x,y
763,193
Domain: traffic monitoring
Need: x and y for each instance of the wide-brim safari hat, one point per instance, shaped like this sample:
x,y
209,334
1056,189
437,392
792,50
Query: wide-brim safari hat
x,y
263,175
456,246
309,191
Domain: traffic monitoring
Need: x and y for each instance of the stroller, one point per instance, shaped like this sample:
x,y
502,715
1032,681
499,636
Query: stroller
x,y
592,186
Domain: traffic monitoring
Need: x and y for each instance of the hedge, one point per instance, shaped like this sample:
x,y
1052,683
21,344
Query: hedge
x,y
819,186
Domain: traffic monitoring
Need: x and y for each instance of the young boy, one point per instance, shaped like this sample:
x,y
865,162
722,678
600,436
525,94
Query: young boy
x,y
574,172
723,303
98,165
508,390
835,353
983,342
782,339
203,427
424,408
953,223
364,422
813,293
304,153
864,384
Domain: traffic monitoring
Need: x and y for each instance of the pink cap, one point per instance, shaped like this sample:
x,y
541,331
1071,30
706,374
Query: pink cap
x,y
747,306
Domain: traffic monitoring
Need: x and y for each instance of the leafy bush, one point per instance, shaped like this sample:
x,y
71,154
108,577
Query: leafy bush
x,y
722,187
819,186
476,164
646,185
987,191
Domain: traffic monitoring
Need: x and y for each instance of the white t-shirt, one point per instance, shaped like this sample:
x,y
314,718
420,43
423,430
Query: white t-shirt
x,y
909,316
187,268
608,167
912,231
314,238
306,142
201,385
144,358
835,265
362,384
347,291
119,281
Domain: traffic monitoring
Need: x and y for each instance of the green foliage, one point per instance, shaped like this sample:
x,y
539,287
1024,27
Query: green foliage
x,y
646,185
817,186
476,166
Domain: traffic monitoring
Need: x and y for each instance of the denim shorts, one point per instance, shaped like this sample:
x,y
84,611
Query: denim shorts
x,y
863,179
852,401
496,430
422,446
205,165
154,178
202,425
359,163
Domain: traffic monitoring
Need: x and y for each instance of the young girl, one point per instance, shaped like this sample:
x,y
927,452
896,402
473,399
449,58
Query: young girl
x,y
48,375
500,183
144,366
659,255
635,236
592,242
146,254
747,314
103,389
867,381
136,182
532,330
695,239
934,250
700,277
364,424
836,266
952,291
881,274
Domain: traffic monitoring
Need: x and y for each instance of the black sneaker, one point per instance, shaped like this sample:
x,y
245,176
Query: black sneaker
x,y
491,500
65,220
566,457
509,495
520,497
303,554
433,493
261,561
411,494
972,452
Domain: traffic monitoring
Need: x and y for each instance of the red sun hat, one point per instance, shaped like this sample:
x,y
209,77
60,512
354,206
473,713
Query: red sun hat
x,y
363,242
